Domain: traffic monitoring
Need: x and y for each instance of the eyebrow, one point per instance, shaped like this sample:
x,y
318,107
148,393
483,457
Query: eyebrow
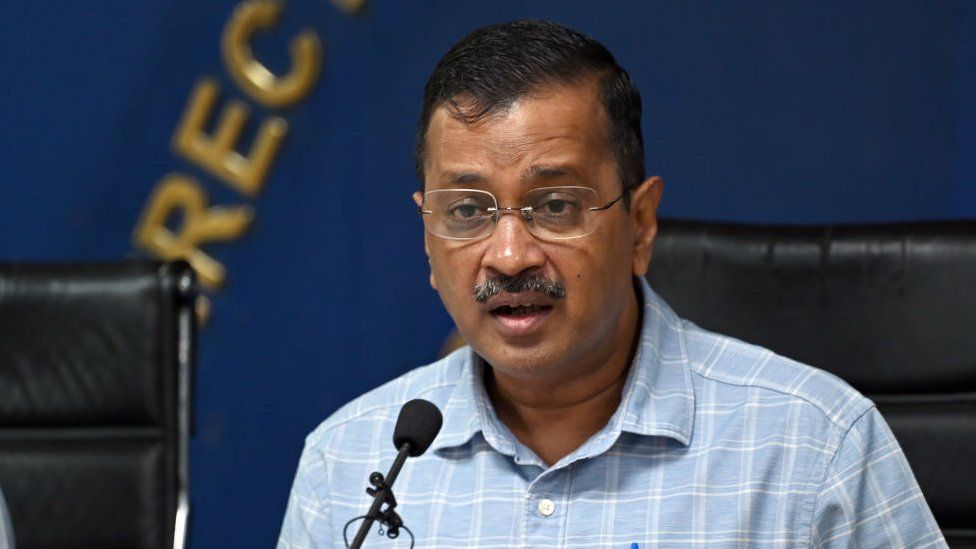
x,y
463,178
535,172
552,172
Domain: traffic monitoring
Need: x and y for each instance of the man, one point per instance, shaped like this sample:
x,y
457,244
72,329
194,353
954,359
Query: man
x,y
586,413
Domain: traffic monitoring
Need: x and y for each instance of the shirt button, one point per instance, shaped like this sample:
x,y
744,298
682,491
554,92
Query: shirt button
x,y
546,507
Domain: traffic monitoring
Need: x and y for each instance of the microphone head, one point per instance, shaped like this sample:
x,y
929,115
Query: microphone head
x,y
418,424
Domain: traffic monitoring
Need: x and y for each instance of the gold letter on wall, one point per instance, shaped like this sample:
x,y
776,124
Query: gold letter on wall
x,y
250,74
216,153
177,192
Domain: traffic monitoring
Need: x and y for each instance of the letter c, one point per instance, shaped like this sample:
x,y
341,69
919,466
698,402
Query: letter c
x,y
251,75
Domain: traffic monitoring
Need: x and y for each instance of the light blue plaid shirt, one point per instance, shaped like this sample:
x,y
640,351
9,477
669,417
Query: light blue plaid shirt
x,y
6,531
716,443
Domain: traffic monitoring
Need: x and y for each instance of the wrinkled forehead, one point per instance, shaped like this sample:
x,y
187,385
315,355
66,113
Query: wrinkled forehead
x,y
555,131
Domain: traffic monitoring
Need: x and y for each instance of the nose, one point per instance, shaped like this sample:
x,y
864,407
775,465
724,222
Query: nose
x,y
511,247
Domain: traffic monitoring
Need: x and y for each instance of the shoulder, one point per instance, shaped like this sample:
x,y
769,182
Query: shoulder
x,y
740,367
434,382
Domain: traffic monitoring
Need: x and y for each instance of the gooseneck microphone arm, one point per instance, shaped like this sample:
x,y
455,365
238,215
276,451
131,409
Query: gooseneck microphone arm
x,y
382,492
416,427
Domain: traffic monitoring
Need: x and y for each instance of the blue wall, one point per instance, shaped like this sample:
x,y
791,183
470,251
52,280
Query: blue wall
x,y
777,112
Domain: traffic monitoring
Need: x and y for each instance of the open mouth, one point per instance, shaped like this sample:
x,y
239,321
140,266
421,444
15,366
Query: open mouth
x,y
518,311
519,316
520,321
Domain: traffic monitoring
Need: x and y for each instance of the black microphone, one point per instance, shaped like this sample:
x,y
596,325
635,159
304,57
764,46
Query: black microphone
x,y
416,427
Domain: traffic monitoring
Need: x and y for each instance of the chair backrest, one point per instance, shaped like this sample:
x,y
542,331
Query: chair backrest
x,y
889,308
95,365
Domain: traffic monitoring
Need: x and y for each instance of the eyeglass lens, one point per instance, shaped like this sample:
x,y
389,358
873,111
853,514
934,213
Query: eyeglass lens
x,y
549,212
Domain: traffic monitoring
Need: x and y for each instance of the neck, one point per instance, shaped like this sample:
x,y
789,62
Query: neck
x,y
555,414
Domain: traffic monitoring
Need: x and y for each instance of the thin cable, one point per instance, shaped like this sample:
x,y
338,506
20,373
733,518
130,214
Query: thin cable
x,y
345,537
411,535
345,529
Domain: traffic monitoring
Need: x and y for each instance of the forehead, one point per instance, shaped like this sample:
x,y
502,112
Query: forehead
x,y
559,126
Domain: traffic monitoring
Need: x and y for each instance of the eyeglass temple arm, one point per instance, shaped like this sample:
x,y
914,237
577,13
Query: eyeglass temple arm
x,y
615,200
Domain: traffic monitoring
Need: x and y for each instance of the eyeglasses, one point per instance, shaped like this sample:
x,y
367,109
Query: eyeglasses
x,y
550,213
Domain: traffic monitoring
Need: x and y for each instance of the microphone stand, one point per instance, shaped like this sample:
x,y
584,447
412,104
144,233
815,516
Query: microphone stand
x,y
382,492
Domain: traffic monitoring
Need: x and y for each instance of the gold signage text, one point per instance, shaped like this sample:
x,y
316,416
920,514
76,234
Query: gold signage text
x,y
178,192
255,78
217,152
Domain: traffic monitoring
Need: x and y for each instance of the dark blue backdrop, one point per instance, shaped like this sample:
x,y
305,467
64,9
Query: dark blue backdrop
x,y
758,111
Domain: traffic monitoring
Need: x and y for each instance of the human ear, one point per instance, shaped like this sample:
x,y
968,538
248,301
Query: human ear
x,y
433,281
418,199
643,212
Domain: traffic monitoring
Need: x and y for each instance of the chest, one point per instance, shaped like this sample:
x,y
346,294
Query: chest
x,y
644,490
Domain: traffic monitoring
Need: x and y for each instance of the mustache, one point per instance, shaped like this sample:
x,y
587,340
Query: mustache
x,y
497,284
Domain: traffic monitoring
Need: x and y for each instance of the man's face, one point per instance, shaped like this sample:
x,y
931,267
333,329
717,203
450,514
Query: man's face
x,y
554,137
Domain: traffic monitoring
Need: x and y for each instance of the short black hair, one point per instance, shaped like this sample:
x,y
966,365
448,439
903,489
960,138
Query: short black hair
x,y
492,67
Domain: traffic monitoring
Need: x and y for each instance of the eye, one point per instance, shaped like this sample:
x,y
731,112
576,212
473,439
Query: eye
x,y
556,205
463,211
466,208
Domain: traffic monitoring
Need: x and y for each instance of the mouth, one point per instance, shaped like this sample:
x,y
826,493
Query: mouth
x,y
518,320
517,311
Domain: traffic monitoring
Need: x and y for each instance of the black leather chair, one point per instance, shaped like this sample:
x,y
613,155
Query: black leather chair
x,y
889,308
95,366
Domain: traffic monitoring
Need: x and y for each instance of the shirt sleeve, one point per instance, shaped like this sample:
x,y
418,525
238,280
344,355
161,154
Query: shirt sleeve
x,y
6,530
869,497
306,524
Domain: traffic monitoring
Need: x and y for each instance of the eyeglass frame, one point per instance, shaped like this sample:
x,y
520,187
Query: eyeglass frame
x,y
525,211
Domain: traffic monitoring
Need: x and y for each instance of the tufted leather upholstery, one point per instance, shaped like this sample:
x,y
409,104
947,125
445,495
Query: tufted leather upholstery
x,y
889,308
94,378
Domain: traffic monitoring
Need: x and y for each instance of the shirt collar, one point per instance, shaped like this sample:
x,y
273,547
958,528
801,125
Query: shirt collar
x,y
658,397
468,410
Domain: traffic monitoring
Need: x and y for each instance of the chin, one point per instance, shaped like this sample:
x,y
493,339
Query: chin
x,y
517,360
